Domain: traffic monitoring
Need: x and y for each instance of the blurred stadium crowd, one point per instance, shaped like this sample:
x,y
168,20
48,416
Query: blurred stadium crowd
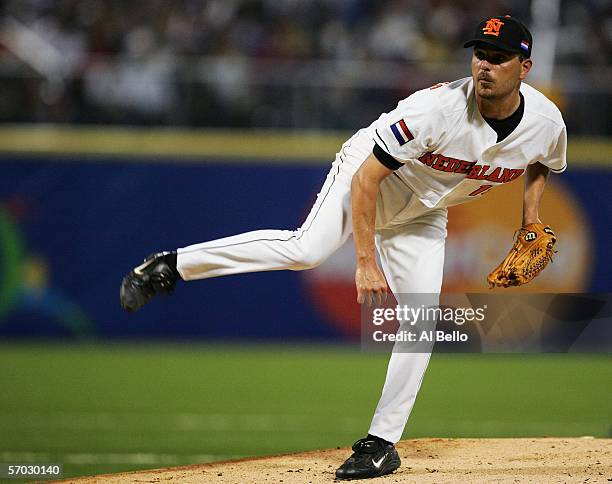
x,y
270,63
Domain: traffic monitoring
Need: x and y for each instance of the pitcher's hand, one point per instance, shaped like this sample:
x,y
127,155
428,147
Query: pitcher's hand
x,y
371,285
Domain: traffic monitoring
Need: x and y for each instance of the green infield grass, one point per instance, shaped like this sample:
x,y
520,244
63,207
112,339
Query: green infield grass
x,y
107,408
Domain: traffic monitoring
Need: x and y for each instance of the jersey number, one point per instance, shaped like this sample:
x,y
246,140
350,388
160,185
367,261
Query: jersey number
x,y
480,190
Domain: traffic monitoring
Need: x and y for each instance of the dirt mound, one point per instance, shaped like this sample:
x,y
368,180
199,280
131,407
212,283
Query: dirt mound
x,y
423,460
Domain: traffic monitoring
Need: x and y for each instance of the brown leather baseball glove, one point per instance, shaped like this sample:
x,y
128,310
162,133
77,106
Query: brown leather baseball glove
x,y
530,254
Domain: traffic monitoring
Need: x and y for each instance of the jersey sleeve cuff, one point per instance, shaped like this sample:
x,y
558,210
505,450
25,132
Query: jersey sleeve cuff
x,y
385,158
559,170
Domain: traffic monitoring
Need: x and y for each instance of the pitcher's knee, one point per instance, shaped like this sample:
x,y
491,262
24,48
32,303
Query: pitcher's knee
x,y
309,258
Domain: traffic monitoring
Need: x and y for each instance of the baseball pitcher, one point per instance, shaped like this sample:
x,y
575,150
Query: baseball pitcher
x,y
390,186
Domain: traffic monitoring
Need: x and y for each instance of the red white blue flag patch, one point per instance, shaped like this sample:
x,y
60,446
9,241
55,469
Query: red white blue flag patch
x,y
401,132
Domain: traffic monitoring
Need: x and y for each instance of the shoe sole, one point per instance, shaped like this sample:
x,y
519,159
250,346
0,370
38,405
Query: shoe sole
x,y
130,302
388,468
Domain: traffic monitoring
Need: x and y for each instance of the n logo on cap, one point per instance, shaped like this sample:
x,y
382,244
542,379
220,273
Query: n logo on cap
x,y
492,27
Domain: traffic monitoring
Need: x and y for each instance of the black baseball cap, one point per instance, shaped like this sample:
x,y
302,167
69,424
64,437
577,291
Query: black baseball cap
x,y
505,33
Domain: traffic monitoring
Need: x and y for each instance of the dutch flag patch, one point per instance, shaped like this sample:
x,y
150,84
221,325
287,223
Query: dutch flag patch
x,y
401,132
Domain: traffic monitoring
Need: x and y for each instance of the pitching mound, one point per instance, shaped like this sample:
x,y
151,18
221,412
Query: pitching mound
x,y
423,460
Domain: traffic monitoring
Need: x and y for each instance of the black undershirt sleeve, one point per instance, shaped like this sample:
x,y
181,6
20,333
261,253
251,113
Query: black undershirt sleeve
x,y
385,158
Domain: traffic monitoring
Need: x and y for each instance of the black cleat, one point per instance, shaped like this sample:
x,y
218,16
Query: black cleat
x,y
156,275
373,457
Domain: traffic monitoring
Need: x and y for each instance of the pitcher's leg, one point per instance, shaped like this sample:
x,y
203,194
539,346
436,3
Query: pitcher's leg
x,y
412,259
325,229
405,373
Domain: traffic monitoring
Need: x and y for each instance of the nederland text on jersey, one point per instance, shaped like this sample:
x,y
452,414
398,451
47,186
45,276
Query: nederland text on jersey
x,y
470,168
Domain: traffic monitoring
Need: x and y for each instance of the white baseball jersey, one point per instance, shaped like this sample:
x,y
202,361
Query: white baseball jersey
x,y
450,154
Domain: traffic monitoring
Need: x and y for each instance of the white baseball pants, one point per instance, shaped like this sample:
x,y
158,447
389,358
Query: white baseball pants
x,y
410,242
